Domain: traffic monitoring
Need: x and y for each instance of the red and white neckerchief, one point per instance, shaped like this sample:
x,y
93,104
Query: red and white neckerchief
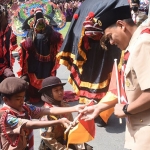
x,y
50,106
122,88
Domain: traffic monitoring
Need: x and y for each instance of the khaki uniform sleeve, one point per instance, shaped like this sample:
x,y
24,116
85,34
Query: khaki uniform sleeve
x,y
141,63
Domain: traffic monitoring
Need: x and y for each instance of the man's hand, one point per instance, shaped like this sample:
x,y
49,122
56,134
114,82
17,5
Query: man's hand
x,y
90,112
65,122
118,111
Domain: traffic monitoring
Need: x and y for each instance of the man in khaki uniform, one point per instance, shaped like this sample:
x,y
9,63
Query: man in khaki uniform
x,y
122,31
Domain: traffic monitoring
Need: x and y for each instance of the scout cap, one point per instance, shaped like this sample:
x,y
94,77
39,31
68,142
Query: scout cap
x,y
50,82
110,17
13,85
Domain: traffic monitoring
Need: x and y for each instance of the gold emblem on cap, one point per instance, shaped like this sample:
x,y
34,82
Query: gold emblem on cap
x,y
127,83
98,21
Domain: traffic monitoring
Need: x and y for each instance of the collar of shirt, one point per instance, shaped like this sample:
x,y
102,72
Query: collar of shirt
x,y
21,114
134,37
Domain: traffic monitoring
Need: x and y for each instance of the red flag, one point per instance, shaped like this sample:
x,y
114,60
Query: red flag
x,y
113,84
84,131
112,93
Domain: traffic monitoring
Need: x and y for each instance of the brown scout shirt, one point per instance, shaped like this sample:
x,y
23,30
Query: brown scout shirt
x,y
54,134
13,127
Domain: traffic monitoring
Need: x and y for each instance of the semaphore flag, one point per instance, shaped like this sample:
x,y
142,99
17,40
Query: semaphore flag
x,y
112,95
84,131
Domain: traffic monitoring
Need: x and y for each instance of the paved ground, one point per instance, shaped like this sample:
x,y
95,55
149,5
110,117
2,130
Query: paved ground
x,y
109,138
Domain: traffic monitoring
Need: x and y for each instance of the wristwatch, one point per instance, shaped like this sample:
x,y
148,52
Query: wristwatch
x,y
125,107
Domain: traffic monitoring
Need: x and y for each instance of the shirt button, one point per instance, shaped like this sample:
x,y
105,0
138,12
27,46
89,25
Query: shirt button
x,y
127,83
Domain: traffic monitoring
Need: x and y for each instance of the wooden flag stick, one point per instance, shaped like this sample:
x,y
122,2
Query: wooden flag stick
x,y
74,121
118,87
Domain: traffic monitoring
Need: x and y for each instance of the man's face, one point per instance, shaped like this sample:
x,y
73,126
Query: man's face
x,y
117,36
134,7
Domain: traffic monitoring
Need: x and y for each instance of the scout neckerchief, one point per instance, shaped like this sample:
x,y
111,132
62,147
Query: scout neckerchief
x,y
50,105
9,110
123,94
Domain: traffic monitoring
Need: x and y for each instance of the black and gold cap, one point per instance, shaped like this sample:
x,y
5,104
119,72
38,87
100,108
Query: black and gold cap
x,y
110,17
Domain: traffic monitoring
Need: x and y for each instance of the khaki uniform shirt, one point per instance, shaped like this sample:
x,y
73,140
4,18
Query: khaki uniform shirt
x,y
137,79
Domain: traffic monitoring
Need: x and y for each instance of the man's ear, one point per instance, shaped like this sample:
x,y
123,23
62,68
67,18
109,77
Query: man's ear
x,y
121,24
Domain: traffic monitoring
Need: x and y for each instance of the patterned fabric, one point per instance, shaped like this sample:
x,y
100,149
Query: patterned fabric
x,y
89,64
38,61
7,44
15,121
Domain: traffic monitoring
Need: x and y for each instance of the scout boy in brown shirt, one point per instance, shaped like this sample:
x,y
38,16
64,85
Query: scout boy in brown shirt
x,y
16,126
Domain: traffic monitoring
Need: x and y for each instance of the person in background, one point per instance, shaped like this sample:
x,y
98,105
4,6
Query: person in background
x,y
138,16
38,54
8,43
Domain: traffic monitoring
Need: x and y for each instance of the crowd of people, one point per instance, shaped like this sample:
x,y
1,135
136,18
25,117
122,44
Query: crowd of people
x,y
116,25
68,7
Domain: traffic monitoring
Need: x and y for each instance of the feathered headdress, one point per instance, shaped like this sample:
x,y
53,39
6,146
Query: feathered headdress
x,y
22,15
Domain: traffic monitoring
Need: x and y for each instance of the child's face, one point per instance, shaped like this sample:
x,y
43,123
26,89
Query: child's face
x,y
16,101
58,93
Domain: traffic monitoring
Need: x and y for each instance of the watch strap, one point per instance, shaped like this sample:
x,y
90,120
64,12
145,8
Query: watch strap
x,y
125,107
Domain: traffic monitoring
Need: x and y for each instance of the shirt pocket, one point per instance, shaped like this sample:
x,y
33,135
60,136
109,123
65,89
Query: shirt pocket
x,y
129,80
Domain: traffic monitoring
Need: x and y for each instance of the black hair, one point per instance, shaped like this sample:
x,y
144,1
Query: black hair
x,y
6,95
129,22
